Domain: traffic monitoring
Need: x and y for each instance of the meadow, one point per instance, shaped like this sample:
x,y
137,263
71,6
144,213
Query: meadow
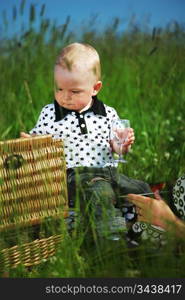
x,y
144,80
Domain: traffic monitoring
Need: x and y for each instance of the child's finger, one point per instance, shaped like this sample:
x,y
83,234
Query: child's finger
x,y
24,135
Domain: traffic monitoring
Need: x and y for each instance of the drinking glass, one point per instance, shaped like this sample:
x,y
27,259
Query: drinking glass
x,y
120,130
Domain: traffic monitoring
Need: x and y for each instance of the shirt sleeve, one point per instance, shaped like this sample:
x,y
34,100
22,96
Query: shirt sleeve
x,y
114,114
39,128
111,113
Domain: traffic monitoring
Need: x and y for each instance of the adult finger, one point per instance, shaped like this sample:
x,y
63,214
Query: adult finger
x,y
157,195
138,211
141,219
138,199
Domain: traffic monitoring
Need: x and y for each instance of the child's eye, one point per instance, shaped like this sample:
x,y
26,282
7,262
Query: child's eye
x,y
75,92
58,90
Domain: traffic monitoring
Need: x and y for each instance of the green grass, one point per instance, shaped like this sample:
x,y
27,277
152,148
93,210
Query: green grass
x,y
144,79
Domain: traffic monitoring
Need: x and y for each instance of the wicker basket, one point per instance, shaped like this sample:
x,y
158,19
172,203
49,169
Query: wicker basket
x,y
33,190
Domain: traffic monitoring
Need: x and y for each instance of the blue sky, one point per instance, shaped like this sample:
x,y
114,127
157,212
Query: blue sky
x,y
153,12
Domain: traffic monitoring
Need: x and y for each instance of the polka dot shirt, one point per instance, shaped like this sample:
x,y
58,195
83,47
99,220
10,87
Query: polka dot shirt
x,y
86,135
179,196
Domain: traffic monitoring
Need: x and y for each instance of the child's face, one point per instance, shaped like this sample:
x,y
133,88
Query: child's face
x,y
74,89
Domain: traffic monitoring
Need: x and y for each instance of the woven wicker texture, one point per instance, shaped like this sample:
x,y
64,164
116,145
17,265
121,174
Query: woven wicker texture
x,y
33,190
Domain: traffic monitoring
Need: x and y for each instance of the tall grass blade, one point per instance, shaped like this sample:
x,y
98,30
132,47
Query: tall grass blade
x,y
21,8
42,11
32,13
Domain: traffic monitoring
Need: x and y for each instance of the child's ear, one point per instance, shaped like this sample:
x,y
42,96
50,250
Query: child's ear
x,y
97,87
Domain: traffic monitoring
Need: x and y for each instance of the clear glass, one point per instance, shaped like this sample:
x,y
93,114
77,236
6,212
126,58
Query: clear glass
x,y
119,133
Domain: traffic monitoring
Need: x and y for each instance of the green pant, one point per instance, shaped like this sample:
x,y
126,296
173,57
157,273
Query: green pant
x,y
98,191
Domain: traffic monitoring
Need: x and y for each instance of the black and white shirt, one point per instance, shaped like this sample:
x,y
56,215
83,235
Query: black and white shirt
x,y
86,135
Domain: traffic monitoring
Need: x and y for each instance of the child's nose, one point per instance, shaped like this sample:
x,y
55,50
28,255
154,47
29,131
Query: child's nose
x,y
67,95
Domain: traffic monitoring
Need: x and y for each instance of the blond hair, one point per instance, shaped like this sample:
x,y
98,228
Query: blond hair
x,y
80,56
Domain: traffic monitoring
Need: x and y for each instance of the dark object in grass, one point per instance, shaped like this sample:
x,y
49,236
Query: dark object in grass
x,y
153,50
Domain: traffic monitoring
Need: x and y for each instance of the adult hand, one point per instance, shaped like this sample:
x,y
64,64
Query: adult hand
x,y
153,211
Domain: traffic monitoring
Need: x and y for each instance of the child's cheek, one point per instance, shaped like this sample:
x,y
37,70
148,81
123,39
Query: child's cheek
x,y
58,98
80,102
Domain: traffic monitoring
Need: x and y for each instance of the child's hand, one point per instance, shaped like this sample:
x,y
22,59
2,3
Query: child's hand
x,y
24,135
126,145
129,141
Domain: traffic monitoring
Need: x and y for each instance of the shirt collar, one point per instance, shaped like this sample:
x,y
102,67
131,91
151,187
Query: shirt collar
x,y
87,106
97,107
